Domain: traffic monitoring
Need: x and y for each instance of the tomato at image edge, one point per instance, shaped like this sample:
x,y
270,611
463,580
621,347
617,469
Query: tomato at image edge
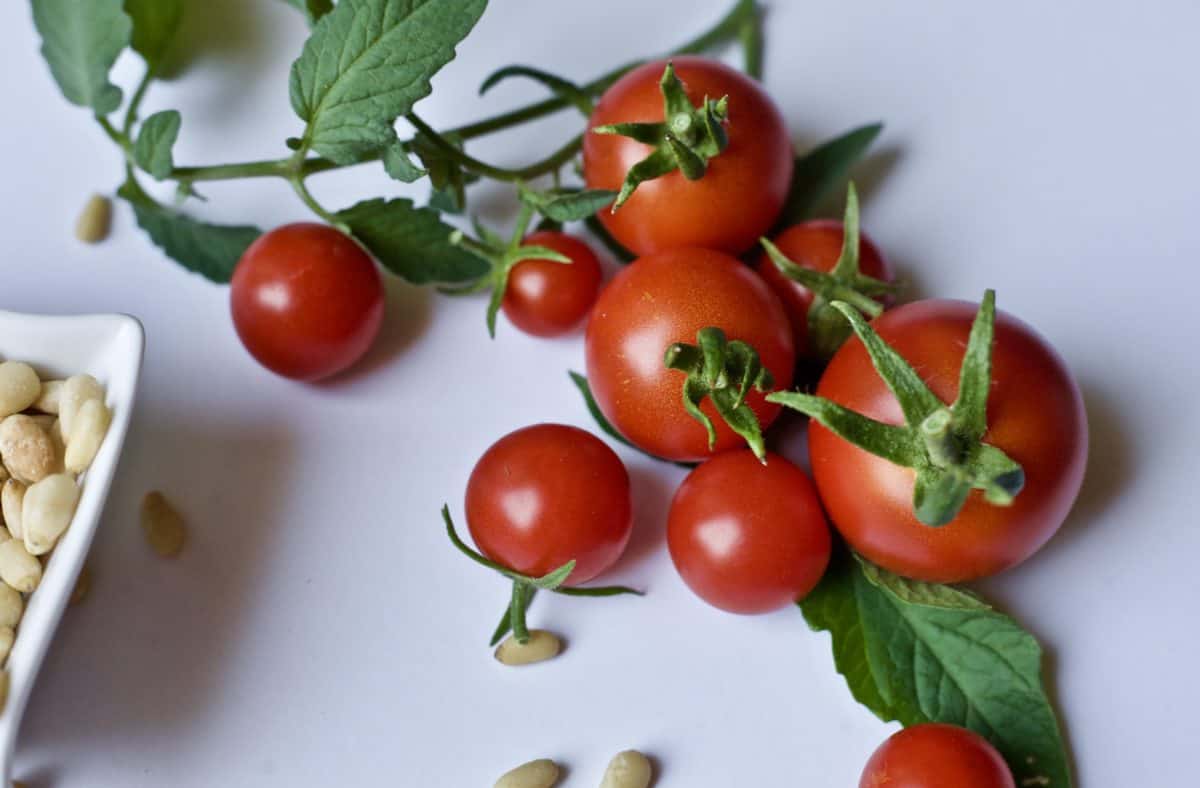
x,y
548,494
747,537
935,755
546,298
307,301
741,193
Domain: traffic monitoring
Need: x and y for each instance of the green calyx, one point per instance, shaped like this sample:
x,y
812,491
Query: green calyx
x,y
942,443
827,329
724,372
524,587
685,140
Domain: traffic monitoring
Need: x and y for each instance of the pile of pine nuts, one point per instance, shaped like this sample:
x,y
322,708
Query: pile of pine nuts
x,y
50,432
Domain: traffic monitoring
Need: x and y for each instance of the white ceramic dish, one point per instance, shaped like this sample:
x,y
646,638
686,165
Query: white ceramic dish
x,y
108,347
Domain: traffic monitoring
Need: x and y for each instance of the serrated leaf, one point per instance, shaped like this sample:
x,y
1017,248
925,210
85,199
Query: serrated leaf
x,y
313,9
152,149
399,166
81,41
367,63
210,250
820,170
411,242
155,23
571,207
919,652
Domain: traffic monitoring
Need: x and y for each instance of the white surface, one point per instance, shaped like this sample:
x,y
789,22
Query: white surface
x,y
319,630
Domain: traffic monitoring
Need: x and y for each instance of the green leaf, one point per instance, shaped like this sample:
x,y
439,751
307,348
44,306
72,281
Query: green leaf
x,y
893,443
210,250
367,63
919,652
398,165
81,41
155,23
313,9
820,170
569,207
152,150
413,243
975,375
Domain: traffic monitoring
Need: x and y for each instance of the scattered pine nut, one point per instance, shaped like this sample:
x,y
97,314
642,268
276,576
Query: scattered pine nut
x,y
12,500
163,526
11,607
19,387
83,584
91,425
19,569
76,390
95,220
542,645
47,511
7,636
541,773
26,448
628,769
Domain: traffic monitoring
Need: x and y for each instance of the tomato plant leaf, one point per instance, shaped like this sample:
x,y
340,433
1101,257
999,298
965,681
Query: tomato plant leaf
x,y
411,242
210,250
820,170
572,206
918,652
367,63
399,166
80,42
152,149
893,443
155,23
313,9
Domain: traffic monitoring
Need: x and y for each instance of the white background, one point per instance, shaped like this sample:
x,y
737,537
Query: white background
x,y
319,630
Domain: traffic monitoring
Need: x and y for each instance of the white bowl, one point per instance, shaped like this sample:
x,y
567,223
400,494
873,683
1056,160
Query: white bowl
x,y
108,347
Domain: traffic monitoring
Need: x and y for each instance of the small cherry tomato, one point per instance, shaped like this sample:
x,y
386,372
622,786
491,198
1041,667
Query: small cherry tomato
x,y
744,188
666,298
548,494
546,298
307,301
1035,415
748,537
815,244
934,755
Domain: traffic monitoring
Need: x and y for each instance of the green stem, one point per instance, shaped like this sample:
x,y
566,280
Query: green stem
x,y
516,610
275,168
121,139
135,103
551,163
306,197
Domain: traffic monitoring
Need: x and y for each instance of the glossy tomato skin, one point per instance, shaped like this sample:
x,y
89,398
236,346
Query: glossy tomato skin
x,y
815,244
666,298
744,188
1035,415
307,301
934,755
545,298
746,537
548,494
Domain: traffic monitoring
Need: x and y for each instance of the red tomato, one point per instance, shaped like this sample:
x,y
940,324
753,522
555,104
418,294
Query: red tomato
x,y
815,244
936,756
740,195
667,298
1035,415
307,301
748,537
545,298
548,494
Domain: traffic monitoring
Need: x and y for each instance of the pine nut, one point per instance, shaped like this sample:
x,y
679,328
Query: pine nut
x,y
163,526
542,646
91,425
12,499
47,401
18,568
11,607
541,773
19,387
629,769
76,390
95,221
47,511
26,448
7,636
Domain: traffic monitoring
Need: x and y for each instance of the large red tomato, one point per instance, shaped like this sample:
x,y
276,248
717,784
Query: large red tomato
x,y
815,244
667,298
744,188
546,298
307,301
548,494
748,537
936,756
1035,415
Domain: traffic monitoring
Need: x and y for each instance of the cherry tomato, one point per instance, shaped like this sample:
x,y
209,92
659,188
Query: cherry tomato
x,y
748,537
744,188
545,298
548,494
665,298
815,244
1035,415
936,756
307,301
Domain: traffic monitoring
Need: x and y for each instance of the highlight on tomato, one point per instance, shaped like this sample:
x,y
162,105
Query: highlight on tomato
x,y
935,755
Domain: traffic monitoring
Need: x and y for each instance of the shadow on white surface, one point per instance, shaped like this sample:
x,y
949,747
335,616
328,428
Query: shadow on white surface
x,y
407,314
